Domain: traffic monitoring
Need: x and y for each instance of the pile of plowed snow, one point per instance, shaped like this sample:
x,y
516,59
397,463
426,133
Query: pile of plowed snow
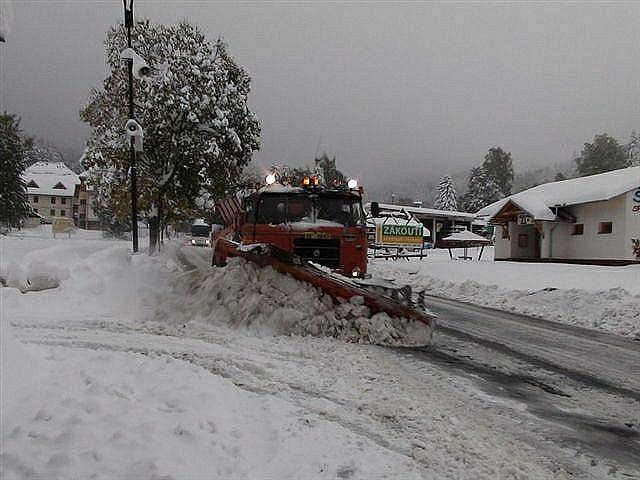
x,y
265,301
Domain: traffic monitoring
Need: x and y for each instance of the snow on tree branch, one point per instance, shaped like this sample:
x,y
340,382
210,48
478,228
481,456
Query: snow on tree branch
x,y
199,130
447,197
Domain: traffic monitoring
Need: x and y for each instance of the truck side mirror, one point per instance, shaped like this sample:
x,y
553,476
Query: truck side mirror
x,y
375,209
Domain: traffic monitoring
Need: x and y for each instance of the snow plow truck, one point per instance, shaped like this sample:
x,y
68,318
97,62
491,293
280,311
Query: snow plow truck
x,y
316,234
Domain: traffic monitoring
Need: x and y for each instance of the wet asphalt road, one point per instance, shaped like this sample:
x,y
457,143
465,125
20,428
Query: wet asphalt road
x,y
583,385
596,358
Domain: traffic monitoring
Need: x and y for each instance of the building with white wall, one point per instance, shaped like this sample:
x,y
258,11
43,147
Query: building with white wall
x,y
50,188
84,215
594,219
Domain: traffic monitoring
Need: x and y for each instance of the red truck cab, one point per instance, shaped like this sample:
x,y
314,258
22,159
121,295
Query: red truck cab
x,y
322,225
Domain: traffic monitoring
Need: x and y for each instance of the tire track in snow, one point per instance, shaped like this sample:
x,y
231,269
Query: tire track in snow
x,y
392,426
229,369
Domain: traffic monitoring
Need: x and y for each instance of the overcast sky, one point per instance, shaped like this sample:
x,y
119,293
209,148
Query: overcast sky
x,y
392,89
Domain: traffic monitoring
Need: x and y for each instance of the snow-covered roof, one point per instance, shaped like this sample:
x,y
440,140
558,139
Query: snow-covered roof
x,y
594,188
45,178
426,211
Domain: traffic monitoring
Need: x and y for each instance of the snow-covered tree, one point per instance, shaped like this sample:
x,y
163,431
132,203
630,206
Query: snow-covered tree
x,y
323,167
482,190
110,196
13,189
330,173
199,132
447,198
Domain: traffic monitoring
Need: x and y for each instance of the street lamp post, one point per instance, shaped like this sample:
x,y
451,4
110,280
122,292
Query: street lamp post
x,y
128,23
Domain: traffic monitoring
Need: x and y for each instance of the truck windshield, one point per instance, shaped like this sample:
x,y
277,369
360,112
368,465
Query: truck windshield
x,y
313,208
344,210
200,230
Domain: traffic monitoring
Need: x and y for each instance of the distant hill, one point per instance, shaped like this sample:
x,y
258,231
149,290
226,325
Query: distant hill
x,y
531,178
44,151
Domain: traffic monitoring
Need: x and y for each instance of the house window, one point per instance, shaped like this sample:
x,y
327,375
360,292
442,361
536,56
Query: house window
x,y
59,186
52,212
63,201
83,201
578,229
605,227
53,200
523,240
63,213
32,184
505,231
35,199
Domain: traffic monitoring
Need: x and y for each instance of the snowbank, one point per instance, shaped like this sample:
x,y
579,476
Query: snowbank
x,y
268,302
603,298
38,276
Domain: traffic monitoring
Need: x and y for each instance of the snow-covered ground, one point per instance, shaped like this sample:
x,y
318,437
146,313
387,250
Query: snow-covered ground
x,y
121,372
604,298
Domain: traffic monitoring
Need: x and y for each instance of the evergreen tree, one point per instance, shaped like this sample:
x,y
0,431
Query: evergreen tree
x,y
447,198
499,166
482,190
13,189
634,149
603,155
199,132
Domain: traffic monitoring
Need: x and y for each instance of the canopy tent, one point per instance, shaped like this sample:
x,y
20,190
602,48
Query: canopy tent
x,y
465,239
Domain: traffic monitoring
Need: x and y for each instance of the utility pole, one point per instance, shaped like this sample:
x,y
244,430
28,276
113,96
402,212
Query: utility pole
x,y
128,23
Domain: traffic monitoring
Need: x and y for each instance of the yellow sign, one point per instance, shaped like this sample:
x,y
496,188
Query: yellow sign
x,y
399,235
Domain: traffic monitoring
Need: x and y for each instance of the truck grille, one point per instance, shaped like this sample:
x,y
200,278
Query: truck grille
x,y
318,250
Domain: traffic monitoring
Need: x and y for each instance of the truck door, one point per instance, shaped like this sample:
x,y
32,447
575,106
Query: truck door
x,y
271,221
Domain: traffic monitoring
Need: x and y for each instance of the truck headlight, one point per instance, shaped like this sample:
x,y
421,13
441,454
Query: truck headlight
x,y
356,272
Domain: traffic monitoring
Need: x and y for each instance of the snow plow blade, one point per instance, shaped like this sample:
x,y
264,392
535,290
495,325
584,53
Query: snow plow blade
x,y
332,284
